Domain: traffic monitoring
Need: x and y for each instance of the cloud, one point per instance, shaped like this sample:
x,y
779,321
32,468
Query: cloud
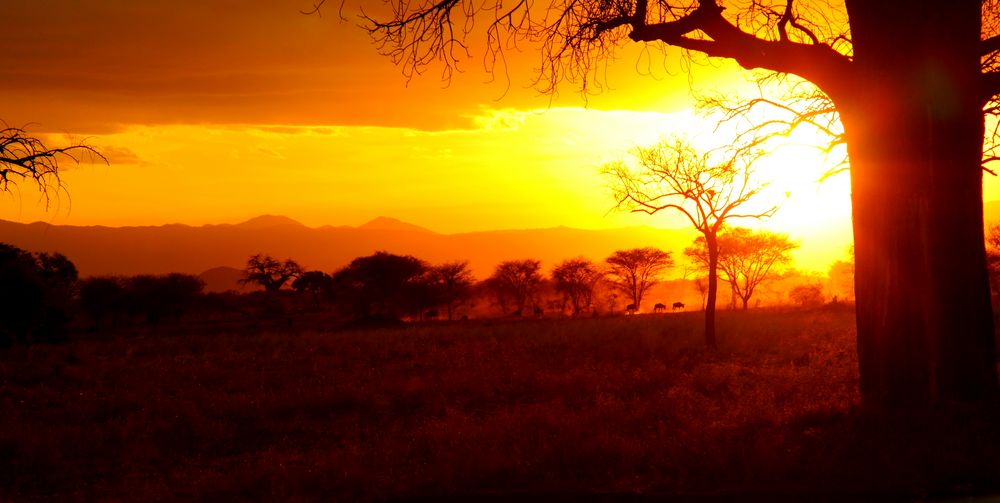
x,y
96,67
118,156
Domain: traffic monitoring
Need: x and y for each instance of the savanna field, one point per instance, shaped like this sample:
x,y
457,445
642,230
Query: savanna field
x,y
628,405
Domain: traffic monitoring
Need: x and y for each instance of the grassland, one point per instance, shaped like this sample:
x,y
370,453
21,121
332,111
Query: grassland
x,y
622,406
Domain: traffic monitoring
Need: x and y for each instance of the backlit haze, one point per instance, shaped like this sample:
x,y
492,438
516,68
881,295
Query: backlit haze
x,y
218,111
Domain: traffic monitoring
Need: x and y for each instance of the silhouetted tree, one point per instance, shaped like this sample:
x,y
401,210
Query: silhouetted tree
x,y
454,280
841,276
635,271
746,258
993,256
517,282
101,297
155,297
807,295
575,280
710,192
35,293
26,158
382,284
269,272
317,284
909,82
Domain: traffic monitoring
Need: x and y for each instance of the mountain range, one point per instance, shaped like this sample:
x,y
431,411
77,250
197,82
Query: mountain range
x,y
218,252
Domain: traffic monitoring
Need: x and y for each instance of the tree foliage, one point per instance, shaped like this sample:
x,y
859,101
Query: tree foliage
x,y
317,284
269,272
382,285
746,257
35,293
155,297
454,281
575,279
515,284
633,272
810,295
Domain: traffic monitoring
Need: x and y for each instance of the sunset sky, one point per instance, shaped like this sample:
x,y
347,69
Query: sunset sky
x,y
217,111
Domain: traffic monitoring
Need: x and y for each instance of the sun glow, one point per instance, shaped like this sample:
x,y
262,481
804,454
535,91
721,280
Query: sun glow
x,y
507,169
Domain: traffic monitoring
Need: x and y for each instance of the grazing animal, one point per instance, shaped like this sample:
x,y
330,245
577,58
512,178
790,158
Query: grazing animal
x,y
659,307
431,315
630,309
539,311
678,305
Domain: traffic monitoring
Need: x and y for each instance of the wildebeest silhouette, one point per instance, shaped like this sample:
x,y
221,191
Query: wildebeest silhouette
x,y
630,309
678,305
659,307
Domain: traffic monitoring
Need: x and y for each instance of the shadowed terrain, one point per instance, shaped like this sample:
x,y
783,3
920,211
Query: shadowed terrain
x,y
622,406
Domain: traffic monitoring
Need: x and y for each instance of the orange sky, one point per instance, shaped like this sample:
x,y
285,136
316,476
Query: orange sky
x,y
220,110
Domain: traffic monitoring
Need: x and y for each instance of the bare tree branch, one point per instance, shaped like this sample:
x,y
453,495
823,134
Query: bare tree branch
x,y
26,158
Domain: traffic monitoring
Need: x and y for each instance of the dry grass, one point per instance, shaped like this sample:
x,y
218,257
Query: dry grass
x,y
608,405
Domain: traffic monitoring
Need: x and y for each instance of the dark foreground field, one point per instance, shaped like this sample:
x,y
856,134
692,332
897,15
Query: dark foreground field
x,y
555,409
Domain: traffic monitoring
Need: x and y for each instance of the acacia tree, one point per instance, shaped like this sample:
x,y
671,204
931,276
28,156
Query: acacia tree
x,y
575,279
909,80
383,285
746,258
454,280
672,175
270,272
316,283
633,272
516,281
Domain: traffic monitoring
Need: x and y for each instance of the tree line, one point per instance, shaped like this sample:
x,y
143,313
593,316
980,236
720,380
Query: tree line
x,y
46,291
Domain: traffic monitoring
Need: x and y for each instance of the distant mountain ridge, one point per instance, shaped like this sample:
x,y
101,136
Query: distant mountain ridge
x,y
99,250
268,221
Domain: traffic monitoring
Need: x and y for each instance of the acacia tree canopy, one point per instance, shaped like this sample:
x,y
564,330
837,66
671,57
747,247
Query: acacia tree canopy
x,y
746,257
635,271
269,272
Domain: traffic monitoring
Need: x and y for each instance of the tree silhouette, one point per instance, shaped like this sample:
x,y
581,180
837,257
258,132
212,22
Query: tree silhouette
x,y
746,258
516,281
993,256
454,280
35,293
633,272
672,175
807,295
317,283
269,272
382,285
910,82
157,296
101,297
26,158
575,279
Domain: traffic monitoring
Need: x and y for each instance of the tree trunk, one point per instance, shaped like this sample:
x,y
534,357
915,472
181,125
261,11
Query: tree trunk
x,y
914,128
712,243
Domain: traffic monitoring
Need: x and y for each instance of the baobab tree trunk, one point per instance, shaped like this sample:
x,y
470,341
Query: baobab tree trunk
x,y
712,243
914,128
